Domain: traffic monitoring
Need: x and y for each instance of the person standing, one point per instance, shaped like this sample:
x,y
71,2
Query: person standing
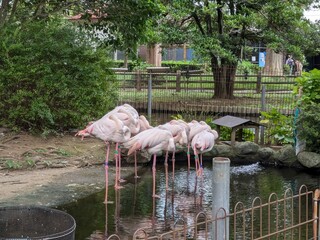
x,y
290,63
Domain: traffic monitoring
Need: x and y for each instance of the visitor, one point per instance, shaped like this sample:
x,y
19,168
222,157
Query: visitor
x,y
290,63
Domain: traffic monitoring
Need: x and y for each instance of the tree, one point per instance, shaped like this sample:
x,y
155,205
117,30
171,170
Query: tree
x,y
125,24
18,10
221,31
52,78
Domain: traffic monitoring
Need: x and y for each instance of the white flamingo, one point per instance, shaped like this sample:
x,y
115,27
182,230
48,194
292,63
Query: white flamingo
x,y
154,141
109,129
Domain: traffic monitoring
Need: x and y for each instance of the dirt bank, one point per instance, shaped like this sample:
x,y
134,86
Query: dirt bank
x,y
50,171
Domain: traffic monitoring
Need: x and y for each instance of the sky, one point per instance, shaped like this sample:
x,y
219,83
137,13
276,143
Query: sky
x,y
312,15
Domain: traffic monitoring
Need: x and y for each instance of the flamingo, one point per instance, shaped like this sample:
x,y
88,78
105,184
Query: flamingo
x,y
109,129
195,128
203,142
180,139
154,141
144,125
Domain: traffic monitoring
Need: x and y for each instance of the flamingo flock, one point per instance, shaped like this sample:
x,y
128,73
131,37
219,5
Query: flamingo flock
x,y
124,127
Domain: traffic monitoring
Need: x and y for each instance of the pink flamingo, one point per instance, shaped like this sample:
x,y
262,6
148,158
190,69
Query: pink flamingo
x,y
203,142
154,141
180,139
108,129
144,125
195,128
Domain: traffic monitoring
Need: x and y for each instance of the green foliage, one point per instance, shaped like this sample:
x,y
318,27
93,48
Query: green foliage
x,y
279,128
221,32
307,124
308,127
52,77
181,65
309,82
11,164
246,67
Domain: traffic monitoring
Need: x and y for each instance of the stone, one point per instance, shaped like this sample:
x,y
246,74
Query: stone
x,y
246,148
286,156
309,159
222,151
265,153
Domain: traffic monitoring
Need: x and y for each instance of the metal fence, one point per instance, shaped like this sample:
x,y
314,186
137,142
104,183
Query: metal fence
x,y
291,217
191,93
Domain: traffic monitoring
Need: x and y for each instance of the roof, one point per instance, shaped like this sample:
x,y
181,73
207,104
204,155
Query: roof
x,y
231,121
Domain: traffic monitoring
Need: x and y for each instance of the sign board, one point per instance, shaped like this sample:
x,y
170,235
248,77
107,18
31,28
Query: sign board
x,y
262,59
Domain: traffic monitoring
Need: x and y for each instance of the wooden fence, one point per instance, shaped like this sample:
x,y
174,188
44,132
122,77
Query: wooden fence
x,y
190,93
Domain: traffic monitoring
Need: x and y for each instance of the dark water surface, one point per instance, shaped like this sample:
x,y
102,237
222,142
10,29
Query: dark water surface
x,y
133,206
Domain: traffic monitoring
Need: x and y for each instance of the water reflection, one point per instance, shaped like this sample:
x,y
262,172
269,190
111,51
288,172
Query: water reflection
x,y
133,206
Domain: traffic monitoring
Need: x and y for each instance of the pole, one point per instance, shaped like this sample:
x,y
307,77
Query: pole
x,y
263,109
149,96
220,198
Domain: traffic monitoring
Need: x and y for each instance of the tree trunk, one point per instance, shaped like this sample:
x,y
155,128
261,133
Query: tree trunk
x,y
274,63
224,77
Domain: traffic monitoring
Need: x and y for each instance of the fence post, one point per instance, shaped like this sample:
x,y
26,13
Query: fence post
x,y
220,197
138,80
263,109
149,96
316,213
178,81
259,79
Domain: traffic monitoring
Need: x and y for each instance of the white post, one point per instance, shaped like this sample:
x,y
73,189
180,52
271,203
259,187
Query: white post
x,y
220,198
149,96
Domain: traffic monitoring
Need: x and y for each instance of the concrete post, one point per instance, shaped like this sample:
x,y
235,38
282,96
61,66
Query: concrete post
x,y
220,198
149,96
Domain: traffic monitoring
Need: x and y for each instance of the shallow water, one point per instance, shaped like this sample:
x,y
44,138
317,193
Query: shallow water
x,y
133,206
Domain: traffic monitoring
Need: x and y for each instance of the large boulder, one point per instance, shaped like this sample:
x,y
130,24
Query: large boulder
x,y
286,156
222,150
265,156
246,153
309,159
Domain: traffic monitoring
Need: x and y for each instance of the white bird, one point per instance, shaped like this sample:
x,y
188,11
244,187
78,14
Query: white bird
x,y
203,142
195,128
154,141
180,139
109,129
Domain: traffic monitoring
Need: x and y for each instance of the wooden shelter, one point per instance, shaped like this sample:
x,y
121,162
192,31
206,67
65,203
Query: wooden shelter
x,y
236,123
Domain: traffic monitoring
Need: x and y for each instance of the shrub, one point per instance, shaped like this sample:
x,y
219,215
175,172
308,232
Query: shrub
x,y
279,127
52,77
308,119
308,127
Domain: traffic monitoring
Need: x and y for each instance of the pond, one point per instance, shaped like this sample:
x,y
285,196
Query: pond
x,y
133,206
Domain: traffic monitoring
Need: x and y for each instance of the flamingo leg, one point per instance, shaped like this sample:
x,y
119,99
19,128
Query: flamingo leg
x,y
116,157
106,167
196,159
173,165
201,165
154,176
135,165
119,159
188,156
166,170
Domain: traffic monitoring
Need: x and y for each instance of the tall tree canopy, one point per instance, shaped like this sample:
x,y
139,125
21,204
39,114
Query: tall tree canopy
x,y
126,23
221,31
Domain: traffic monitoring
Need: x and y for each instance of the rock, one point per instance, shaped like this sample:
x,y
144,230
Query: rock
x,y
245,153
246,148
223,151
286,156
265,153
309,159
142,157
